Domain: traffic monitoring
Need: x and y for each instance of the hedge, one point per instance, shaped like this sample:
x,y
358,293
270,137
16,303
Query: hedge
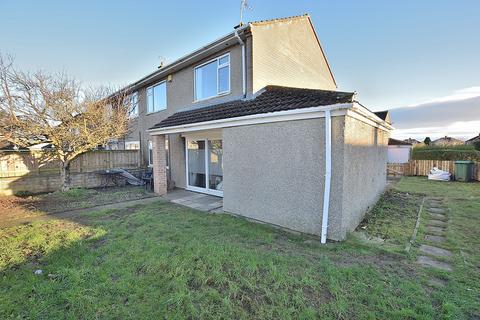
x,y
451,154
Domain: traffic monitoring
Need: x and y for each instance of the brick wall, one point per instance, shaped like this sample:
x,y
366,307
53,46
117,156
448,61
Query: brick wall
x,y
159,165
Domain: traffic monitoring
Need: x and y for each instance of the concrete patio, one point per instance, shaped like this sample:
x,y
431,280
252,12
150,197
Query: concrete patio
x,y
194,200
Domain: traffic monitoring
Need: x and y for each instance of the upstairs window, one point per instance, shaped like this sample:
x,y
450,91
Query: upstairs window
x,y
133,105
157,97
213,78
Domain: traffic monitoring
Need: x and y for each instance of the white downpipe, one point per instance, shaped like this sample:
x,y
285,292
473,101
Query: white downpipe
x,y
328,174
244,72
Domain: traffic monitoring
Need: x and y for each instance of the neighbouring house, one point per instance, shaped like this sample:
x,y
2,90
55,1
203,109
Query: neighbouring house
x,y
35,144
412,141
255,117
473,140
399,151
447,142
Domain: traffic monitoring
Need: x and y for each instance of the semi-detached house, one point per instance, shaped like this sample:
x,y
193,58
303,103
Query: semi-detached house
x,y
255,117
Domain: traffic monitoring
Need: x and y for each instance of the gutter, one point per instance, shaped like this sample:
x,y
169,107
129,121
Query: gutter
x,y
244,71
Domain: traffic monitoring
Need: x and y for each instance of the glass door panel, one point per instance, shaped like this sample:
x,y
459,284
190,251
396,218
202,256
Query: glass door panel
x,y
215,165
196,163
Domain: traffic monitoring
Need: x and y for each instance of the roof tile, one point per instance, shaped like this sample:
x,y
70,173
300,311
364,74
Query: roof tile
x,y
273,99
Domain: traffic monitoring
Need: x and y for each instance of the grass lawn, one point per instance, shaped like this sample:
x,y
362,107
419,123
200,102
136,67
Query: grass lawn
x,y
166,261
29,207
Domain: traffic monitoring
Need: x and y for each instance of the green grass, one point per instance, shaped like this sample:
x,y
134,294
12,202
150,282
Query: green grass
x,y
78,198
393,218
167,261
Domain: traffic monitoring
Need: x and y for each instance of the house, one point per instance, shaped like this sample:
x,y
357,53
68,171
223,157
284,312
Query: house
x,y
399,151
255,117
447,142
473,141
412,141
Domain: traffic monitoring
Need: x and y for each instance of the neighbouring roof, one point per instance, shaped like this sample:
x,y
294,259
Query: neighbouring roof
x,y
412,141
272,99
448,139
395,142
474,139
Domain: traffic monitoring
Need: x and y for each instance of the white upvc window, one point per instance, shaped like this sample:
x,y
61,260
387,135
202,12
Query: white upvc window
x,y
157,97
133,112
150,153
132,145
212,78
167,153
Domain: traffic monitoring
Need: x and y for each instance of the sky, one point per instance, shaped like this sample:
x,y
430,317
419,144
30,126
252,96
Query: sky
x,y
418,58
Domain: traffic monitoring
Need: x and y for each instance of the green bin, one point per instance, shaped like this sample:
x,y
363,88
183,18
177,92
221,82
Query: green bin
x,y
464,170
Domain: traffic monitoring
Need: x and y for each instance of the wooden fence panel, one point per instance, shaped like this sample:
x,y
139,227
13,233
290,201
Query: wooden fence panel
x,y
422,168
19,163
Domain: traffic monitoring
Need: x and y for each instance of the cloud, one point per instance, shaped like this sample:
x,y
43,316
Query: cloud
x,y
461,129
457,95
455,115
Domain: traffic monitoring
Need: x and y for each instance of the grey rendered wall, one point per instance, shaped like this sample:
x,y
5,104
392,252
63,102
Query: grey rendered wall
x,y
275,173
287,53
365,167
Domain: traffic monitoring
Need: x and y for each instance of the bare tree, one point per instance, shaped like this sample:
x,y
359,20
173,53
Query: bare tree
x,y
73,119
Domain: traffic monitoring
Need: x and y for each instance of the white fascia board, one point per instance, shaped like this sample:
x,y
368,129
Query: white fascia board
x,y
279,116
361,113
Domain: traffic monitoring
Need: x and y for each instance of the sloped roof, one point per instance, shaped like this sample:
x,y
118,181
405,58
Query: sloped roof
x,y
448,139
474,139
272,99
395,142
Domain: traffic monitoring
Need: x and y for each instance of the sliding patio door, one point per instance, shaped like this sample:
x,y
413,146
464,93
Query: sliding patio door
x,y
205,166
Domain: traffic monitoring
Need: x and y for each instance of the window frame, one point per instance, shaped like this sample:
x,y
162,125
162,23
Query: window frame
x,y
131,105
132,142
219,66
153,96
150,152
167,152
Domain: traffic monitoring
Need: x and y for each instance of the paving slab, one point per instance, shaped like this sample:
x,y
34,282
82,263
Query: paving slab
x,y
435,230
436,223
194,200
438,216
430,262
433,238
433,204
436,210
435,251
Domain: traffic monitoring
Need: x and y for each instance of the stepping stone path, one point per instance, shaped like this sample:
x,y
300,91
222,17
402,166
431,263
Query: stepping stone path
x,y
435,230
436,223
435,234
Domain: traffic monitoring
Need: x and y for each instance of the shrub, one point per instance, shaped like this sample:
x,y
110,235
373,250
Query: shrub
x,y
451,153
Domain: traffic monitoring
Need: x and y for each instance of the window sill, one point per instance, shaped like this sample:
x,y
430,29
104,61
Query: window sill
x,y
153,112
210,98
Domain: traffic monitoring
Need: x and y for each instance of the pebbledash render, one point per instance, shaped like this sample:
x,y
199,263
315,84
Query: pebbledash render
x,y
255,118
